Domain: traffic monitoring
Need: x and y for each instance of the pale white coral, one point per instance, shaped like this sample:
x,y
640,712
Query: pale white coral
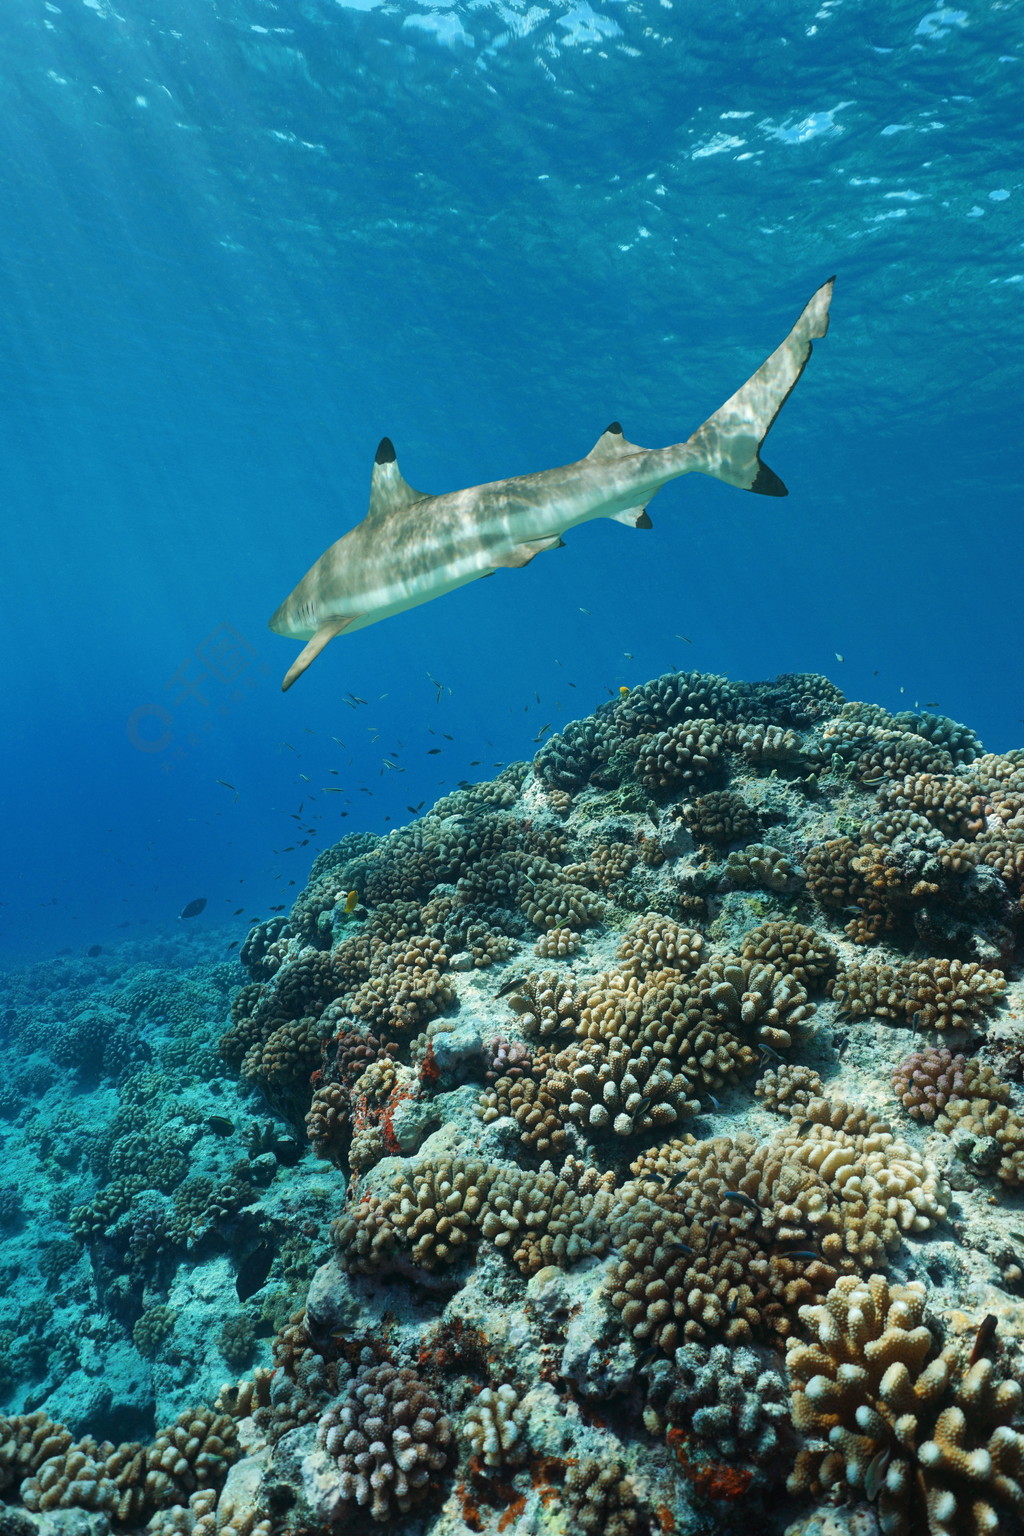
x,y
493,1426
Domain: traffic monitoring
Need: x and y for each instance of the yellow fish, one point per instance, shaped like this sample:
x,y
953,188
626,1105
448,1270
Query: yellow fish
x,y
623,691
351,902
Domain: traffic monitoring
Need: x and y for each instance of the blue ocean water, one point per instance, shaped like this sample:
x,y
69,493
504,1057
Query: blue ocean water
x,y
240,241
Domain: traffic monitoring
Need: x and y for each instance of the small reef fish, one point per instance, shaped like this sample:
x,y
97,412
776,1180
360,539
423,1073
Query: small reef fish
x,y
411,547
221,1125
986,1333
351,902
253,1271
623,691
229,786
646,1356
510,986
194,908
740,1198
875,1473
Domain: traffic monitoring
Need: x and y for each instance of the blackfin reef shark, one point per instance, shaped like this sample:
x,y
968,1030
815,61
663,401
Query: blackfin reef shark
x,y
411,547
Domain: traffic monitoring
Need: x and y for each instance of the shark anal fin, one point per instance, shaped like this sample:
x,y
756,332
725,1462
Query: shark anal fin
x,y
388,491
632,517
521,554
612,445
311,651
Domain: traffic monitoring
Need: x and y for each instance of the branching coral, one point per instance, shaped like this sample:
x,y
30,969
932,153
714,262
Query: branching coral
x,y
721,816
792,948
685,754
388,1435
735,1400
547,1003
656,943
926,994
602,1499
493,1426
127,1482
760,864
430,1218
927,1081
745,1231
889,1412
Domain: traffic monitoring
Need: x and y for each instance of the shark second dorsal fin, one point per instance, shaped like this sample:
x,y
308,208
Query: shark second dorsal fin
x,y
611,444
388,491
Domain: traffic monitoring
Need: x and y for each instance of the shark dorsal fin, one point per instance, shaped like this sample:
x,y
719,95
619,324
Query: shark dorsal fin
x,y
611,444
388,491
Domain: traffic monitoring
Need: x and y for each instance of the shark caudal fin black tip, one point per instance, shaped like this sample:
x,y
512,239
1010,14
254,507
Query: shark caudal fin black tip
x,y
385,452
767,482
616,427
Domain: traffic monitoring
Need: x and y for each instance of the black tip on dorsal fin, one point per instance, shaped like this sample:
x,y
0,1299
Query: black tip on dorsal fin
x,y
385,452
615,427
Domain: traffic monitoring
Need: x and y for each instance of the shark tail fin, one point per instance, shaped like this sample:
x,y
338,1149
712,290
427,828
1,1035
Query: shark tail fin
x,y
728,445
311,651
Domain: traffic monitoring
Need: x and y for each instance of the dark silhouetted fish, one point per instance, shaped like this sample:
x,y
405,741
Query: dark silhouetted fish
x,y
94,950
194,908
253,1271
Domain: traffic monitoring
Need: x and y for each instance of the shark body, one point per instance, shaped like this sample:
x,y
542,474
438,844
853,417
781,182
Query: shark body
x,y
411,547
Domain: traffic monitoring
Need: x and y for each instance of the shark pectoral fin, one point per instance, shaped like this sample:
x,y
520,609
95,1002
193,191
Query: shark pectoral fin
x,y
632,517
311,651
521,554
728,445
612,445
388,491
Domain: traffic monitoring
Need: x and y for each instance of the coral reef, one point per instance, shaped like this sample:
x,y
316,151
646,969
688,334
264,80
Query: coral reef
x,y
493,1426
890,1411
387,1434
733,1400
540,1166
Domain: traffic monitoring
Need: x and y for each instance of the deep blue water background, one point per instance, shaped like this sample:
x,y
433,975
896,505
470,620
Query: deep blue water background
x,y
241,241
